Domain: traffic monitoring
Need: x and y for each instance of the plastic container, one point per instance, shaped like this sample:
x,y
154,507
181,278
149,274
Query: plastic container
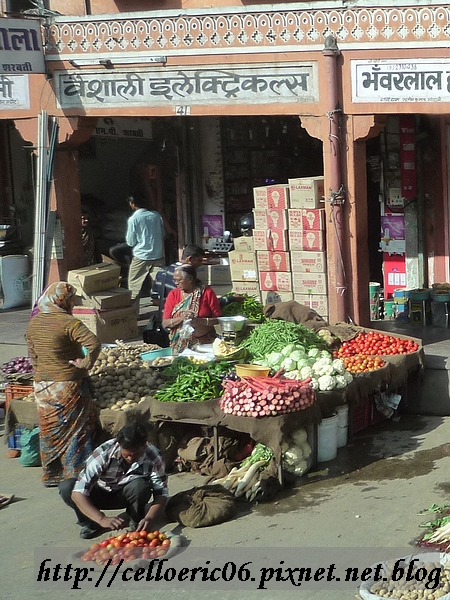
x,y
152,354
401,296
252,371
389,309
327,439
374,296
342,427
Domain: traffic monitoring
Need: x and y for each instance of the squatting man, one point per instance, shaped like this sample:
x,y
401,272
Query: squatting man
x,y
121,473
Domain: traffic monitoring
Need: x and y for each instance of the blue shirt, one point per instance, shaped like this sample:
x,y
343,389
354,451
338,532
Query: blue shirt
x,y
145,234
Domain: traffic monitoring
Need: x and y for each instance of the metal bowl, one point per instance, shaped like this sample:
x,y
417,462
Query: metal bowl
x,y
234,324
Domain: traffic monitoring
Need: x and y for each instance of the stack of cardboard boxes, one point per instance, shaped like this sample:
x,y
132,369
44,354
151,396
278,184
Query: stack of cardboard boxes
x,y
101,305
306,230
243,267
217,276
289,260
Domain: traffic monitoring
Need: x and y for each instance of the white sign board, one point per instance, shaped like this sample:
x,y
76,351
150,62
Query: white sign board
x,y
262,84
125,128
405,80
14,92
21,47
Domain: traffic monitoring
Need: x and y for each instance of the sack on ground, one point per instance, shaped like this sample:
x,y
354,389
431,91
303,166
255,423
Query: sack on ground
x,y
154,332
30,455
202,506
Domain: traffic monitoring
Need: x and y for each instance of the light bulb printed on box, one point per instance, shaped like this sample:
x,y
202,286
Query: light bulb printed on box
x,y
310,238
274,216
310,217
277,260
275,239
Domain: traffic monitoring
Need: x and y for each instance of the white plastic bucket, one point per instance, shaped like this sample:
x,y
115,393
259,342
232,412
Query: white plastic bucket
x,y
327,439
342,429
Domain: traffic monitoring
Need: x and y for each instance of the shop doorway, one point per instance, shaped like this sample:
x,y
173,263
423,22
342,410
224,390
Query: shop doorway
x,y
406,212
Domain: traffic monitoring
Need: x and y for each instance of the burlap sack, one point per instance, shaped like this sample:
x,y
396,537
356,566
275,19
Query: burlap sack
x,y
201,506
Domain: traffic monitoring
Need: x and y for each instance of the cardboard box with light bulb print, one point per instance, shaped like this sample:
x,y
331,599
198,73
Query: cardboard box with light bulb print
x,y
304,219
273,261
309,283
306,240
271,196
275,281
270,218
275,240
303,261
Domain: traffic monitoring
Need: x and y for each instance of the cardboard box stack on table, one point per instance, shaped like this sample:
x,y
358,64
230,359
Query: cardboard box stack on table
x,y
217,276
289,242
101,305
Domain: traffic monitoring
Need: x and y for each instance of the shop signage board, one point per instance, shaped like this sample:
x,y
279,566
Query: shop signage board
x,y
156,86
401,80
124,128
14,92
21,47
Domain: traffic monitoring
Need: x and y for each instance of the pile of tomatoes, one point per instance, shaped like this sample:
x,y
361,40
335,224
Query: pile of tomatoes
x,y
363,363
128,546
375,343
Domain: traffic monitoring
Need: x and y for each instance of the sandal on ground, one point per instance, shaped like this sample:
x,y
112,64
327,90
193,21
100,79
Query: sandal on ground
x,y
5,500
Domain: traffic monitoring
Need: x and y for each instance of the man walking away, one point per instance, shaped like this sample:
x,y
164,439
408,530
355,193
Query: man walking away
x,y
145,235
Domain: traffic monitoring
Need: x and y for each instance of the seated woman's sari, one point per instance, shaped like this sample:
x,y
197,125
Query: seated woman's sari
x,y
191,304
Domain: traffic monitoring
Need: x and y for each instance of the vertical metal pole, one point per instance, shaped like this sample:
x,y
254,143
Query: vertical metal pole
x,y
336,198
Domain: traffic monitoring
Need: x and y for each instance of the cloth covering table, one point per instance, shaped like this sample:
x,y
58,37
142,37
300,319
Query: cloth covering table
x,y
267,430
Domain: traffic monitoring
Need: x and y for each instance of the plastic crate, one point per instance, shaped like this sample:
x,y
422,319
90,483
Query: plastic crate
x,y
361,414
14,390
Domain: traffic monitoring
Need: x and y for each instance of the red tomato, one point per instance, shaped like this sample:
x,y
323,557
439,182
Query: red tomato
x,y
154,543
165,543
104,543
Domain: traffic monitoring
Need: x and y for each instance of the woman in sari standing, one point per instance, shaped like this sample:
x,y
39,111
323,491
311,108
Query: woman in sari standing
x,y
190,300
62,350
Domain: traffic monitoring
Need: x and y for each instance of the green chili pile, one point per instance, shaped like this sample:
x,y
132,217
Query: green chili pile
x,y
274,335
250,308
189,382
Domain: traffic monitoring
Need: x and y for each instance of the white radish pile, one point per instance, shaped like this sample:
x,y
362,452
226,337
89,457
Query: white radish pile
x,y
266,396
244,481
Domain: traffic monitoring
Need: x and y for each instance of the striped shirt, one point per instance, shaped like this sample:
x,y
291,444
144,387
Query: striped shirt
x,y
107,469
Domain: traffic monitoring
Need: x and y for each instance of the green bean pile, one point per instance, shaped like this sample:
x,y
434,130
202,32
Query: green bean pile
x,y
274,335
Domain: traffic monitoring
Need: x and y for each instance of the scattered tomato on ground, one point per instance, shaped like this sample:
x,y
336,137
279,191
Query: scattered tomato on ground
x,y
127,547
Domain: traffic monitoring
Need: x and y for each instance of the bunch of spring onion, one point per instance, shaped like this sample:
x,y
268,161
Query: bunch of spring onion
x,y
266,396
245,480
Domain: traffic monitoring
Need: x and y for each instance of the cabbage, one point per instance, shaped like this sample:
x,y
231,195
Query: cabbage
x,y
288,364
297,355
288,350
313,352
274,359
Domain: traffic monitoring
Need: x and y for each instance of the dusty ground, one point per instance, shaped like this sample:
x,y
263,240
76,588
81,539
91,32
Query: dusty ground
x,y
369,497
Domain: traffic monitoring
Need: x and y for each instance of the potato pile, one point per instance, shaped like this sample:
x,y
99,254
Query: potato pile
x,y
420,581
121,379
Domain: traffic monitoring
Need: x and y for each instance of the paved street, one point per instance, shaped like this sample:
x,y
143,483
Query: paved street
x,y
369,497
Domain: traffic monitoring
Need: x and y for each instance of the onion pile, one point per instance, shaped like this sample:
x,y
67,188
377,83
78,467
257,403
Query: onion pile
x,y
19,364
266,396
